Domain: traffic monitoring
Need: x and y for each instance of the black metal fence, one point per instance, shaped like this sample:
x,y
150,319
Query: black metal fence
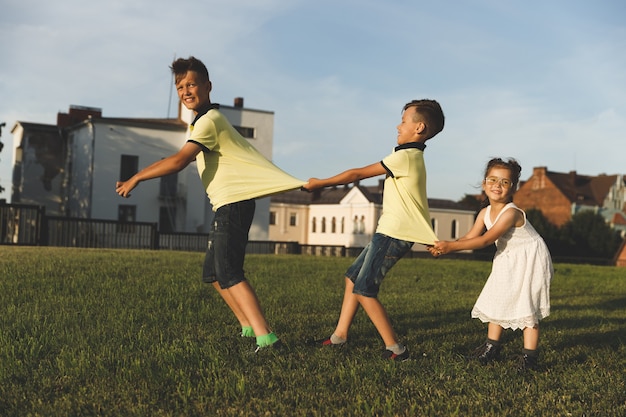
x,y
28,225
20,224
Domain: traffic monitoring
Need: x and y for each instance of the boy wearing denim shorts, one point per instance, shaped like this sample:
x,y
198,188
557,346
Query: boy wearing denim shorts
x,y
233,173
405,220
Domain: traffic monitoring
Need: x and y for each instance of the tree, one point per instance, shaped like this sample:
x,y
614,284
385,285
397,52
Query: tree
x,y
550,233
588,235
472,202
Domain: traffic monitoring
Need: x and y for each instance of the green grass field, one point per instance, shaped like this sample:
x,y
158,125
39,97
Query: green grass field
x,y
136,333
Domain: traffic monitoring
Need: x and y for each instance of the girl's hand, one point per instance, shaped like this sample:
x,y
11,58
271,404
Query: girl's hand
x,y
440,247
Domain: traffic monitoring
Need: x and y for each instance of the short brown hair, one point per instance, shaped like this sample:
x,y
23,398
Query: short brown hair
x,y
181,66
431,114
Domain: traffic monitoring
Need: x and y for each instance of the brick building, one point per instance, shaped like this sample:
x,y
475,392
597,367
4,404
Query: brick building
x,y
561,195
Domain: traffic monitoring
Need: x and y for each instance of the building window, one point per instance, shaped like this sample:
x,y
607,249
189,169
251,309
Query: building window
x,y
343,225
362,225
169,185
455,229
246,132
323,224
293,219
313,225
433,223
128,166
333,225
126,214
272,218
167,219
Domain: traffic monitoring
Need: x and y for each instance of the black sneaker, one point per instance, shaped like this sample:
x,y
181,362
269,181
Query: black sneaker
x,y
277,348
404,356
487,352
527,363
326,342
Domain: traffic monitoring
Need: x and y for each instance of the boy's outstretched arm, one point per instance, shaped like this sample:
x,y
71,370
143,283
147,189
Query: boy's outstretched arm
x,y
171,164
346,177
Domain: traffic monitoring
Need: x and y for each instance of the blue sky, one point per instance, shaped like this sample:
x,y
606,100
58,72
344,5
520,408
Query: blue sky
x,y
541,81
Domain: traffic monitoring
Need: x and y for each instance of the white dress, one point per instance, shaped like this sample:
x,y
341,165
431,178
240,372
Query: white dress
x,y
517,292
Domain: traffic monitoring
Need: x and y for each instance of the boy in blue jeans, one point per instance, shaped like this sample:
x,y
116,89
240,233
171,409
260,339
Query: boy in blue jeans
x,y
405,220
234,174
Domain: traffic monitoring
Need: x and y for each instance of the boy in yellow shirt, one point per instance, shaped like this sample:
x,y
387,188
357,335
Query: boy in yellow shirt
x,y
405,220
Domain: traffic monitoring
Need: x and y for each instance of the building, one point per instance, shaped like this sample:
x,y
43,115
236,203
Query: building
x,y
38,160
348,215
71,167
561,195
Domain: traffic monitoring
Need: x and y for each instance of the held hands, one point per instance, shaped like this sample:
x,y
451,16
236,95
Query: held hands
x,y
441,247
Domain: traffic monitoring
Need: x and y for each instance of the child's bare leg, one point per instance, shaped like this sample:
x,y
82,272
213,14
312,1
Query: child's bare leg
x,y
494,331
247,302
349,307
377,313
230,302
531,337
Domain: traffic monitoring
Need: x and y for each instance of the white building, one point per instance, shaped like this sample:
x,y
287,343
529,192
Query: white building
x,y
71,168
348,215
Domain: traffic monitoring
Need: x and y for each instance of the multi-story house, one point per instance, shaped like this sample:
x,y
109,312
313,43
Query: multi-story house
x,y
347,216
561,195
71,167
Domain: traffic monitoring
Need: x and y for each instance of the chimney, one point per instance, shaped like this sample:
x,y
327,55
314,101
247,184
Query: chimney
x,y
77,114
539,172
239,102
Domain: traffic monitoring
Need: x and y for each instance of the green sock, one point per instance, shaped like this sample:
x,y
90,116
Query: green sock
x,y
266,339
246,331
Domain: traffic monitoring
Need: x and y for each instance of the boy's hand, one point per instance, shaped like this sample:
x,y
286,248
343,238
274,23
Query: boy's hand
x,y
439,248
123,188
432,250
312,184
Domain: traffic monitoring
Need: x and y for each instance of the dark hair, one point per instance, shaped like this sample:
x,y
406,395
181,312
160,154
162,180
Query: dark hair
x,y
514,168
429,111
181,66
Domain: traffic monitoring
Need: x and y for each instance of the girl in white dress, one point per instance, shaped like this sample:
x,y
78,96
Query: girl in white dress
x,y
517,292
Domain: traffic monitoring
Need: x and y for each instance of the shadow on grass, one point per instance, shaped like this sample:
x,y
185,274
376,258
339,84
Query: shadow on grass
x,y
593,325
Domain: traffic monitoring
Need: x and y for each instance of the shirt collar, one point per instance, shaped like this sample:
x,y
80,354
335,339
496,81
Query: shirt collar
x,y
204,110
418,145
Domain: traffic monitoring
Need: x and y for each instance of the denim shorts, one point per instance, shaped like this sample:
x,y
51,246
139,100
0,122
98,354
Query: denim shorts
x,y
226,249
371,266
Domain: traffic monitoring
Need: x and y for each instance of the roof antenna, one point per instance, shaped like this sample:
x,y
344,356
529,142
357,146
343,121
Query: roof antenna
x,y
169,101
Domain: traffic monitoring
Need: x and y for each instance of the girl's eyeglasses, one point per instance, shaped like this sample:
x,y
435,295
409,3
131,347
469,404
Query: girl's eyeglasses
x,y
504,182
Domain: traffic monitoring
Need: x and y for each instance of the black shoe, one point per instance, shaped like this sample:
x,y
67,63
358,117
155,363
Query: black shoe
x,y
326,342
527,363
487,352
277,348
404,356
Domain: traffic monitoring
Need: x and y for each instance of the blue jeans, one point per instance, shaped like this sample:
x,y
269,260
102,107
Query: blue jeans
x,y
371,266
226,249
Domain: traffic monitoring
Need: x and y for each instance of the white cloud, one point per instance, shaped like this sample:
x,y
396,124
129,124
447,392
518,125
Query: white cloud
x,y
542,82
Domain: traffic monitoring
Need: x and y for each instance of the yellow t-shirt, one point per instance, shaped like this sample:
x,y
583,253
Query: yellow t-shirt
x,y
231,168
405,213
